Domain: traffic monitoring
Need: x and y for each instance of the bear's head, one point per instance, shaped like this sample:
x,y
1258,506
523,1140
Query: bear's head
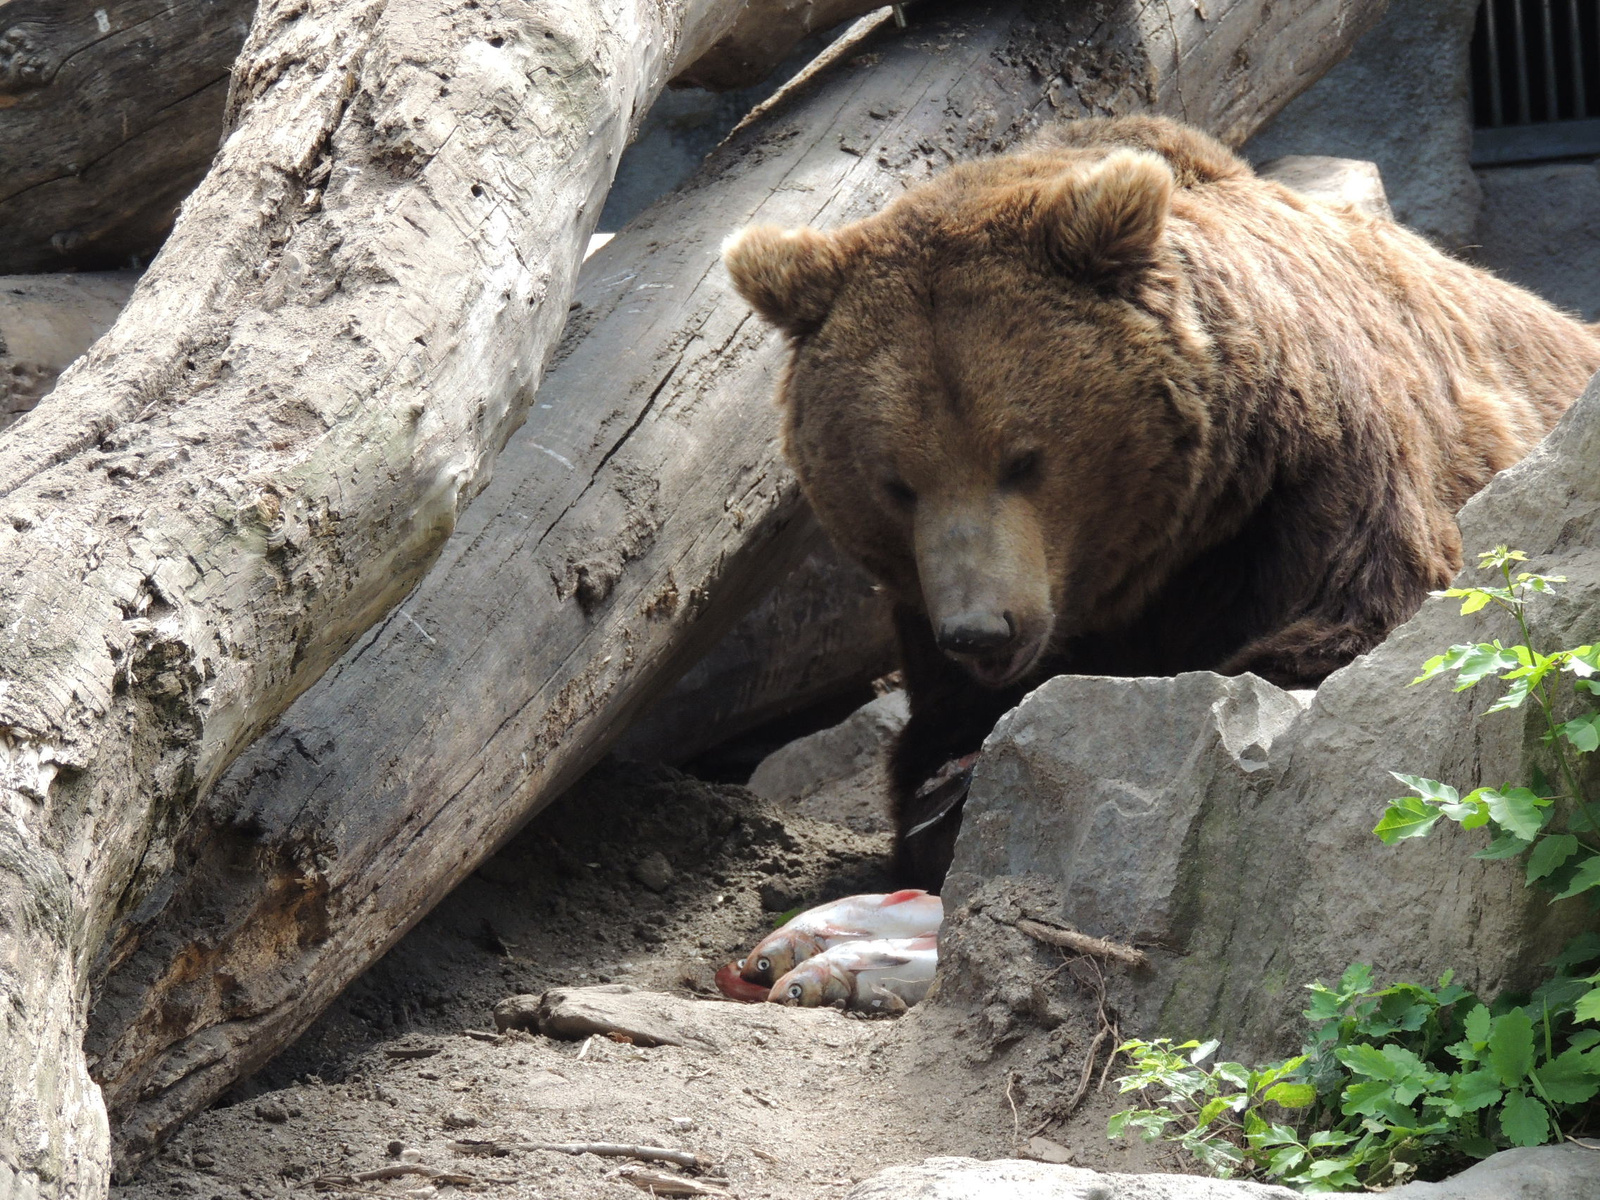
x,y
996,398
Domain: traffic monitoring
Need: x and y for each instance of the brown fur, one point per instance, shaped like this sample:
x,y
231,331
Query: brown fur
x,y
1118,403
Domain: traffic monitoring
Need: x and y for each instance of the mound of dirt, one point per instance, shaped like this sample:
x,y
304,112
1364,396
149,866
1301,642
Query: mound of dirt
x,y
646,877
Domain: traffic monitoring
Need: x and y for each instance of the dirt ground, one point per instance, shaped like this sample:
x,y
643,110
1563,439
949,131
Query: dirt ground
x,y
646,877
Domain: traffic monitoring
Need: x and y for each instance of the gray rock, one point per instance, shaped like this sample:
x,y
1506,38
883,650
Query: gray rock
x,y
1226,825
1019,1179
1331,180
1535,1173
1399,100
654,871
1541,228
838,774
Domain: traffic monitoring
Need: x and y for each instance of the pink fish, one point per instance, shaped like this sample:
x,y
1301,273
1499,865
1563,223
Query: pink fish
x,y
904,914
888,973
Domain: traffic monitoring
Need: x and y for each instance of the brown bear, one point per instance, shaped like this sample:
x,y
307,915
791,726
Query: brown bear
x,y
1114,404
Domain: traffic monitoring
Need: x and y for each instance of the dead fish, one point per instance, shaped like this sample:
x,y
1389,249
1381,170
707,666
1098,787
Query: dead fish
x,y
861,974
735,988
904,914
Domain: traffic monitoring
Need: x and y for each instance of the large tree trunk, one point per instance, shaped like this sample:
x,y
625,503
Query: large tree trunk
x,y
271,445
110,112
641,507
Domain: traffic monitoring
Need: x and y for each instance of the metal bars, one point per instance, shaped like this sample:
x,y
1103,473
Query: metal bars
x,y
1535,80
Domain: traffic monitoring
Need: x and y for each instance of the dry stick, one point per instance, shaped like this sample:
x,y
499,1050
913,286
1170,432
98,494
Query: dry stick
x,y
1016,1121
681,1158
1071,939
325,1183
659,1183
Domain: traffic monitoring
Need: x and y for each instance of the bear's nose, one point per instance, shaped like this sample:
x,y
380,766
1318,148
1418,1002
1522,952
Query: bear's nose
x,y
976,632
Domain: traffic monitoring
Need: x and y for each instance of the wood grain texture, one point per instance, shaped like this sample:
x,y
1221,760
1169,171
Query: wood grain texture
x,y
643,506
270,446
764,35
110,113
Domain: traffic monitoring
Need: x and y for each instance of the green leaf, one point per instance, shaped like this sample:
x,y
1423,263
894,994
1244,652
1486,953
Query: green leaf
x,y
1203,1052
1210,1112
1586,877
1569,1078
1584,1039
1588,1006
1511,1047
1291,1095
1366,1060
1517,810
1514,695
1476,599
1550,853
1525,1120
1578,950
1483,660
1474,1090
1507,845
1407,817
1429,789
1476,1025
1583,732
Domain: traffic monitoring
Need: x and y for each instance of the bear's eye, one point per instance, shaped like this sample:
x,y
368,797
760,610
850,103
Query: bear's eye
x,y
899,491
1020,470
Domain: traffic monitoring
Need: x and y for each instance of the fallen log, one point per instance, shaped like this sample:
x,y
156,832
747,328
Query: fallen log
x,y
762,37
821,633
270,446
642,507
110,113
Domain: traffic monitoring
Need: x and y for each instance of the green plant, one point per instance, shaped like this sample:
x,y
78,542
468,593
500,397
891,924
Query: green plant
x,y
1390,1079
1395,1077
1558,839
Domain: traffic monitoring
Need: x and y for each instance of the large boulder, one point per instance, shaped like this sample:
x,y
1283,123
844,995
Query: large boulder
x,y
1399,99
1226,825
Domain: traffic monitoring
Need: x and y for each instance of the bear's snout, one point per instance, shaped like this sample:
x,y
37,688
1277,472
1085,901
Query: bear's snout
x,y
976,632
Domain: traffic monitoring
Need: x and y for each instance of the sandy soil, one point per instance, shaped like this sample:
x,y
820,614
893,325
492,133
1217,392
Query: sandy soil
x,y
646,877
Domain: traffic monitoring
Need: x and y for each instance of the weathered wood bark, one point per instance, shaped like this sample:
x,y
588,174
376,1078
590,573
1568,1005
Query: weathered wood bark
x,y
110,112
763,36
270,446
47,321
641,506
820,632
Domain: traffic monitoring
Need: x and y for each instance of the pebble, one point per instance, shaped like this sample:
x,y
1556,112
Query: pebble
x,y
654,871
459,1119
272,1112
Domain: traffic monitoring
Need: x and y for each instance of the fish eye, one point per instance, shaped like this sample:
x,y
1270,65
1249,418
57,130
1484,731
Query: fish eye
x,y
795,991
741,962
763,964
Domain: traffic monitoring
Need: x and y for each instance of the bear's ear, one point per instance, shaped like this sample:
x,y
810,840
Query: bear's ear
x,y
1104,225
789,276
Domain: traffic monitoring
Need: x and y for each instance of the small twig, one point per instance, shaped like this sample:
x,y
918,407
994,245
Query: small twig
x,y
1116,1041
659,1183
328,1183
1071,939
681,1158
1016,1121
1088,1072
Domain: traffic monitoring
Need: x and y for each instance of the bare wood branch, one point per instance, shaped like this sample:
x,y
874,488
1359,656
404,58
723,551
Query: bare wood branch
x,y
1082,943
681,1158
